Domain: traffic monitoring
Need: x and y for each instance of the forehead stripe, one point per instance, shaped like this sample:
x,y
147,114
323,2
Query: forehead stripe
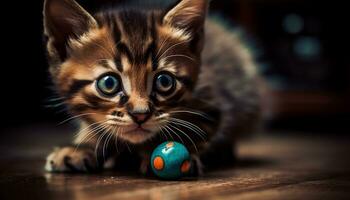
x,y
153,46
122,48
150,52
118,64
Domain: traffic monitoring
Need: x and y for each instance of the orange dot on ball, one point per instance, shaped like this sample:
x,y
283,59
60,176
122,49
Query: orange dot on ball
x,y
158,163
185,167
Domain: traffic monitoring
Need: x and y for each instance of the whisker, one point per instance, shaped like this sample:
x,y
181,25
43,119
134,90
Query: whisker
x,y
171,47
96,61
100,138
172,138
127,145
180,55
90,134
162,133
63,110
116,137
177,135
194,113
55,105
190,128
162,45
190,124
189,138
56,99
74,117
106,142
84,129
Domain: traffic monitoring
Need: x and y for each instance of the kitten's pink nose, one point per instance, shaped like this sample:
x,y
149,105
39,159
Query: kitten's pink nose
x,y
140,118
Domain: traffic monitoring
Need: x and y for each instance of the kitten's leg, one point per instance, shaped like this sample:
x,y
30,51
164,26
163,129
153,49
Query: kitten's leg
x,y
72,159
196,166
207,122
145,166
79,157
219,152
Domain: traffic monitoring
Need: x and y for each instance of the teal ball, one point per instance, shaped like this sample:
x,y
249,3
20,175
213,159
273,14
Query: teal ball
x,y
171,160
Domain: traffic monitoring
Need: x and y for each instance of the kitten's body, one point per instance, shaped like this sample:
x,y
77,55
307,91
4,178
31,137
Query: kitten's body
x,y
233,88
215,94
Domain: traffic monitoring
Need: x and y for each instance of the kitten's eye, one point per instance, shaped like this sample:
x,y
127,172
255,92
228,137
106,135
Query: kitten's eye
x,y
109,85
165,83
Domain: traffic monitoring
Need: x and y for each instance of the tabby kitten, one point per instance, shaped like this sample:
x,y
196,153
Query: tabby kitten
x,y
137,77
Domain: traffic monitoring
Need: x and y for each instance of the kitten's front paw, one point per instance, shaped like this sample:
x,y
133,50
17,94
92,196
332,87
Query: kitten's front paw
x,y
145,166
197,166
70,159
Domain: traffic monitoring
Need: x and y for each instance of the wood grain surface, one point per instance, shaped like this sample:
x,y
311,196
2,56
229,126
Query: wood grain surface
x,y
281,166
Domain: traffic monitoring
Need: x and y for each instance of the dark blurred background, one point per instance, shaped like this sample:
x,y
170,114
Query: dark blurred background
x,y
301,45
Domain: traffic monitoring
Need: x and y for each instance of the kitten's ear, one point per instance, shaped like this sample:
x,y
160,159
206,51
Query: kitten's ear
x,y
187,14
63,20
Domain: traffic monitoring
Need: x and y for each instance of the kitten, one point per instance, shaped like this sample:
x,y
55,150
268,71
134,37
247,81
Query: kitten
x,y
138,77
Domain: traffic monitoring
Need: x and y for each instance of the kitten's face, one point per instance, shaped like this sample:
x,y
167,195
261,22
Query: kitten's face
x,y
128,70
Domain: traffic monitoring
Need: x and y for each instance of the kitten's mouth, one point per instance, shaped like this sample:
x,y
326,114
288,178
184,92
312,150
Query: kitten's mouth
x,y
138,129
137,134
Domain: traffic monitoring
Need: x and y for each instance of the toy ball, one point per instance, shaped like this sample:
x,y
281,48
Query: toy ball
x,y
170,160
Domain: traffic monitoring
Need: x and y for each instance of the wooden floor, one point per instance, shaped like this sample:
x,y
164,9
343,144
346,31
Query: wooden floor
x,y
270,167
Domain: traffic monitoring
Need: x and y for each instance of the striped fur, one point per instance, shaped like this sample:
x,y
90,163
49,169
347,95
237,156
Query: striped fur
x,y
136,46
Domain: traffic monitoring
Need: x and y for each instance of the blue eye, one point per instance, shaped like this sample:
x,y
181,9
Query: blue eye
x,y
109,85
165,83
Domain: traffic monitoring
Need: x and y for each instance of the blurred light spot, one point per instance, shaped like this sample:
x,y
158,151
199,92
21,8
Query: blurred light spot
x,y
293,23
307,47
